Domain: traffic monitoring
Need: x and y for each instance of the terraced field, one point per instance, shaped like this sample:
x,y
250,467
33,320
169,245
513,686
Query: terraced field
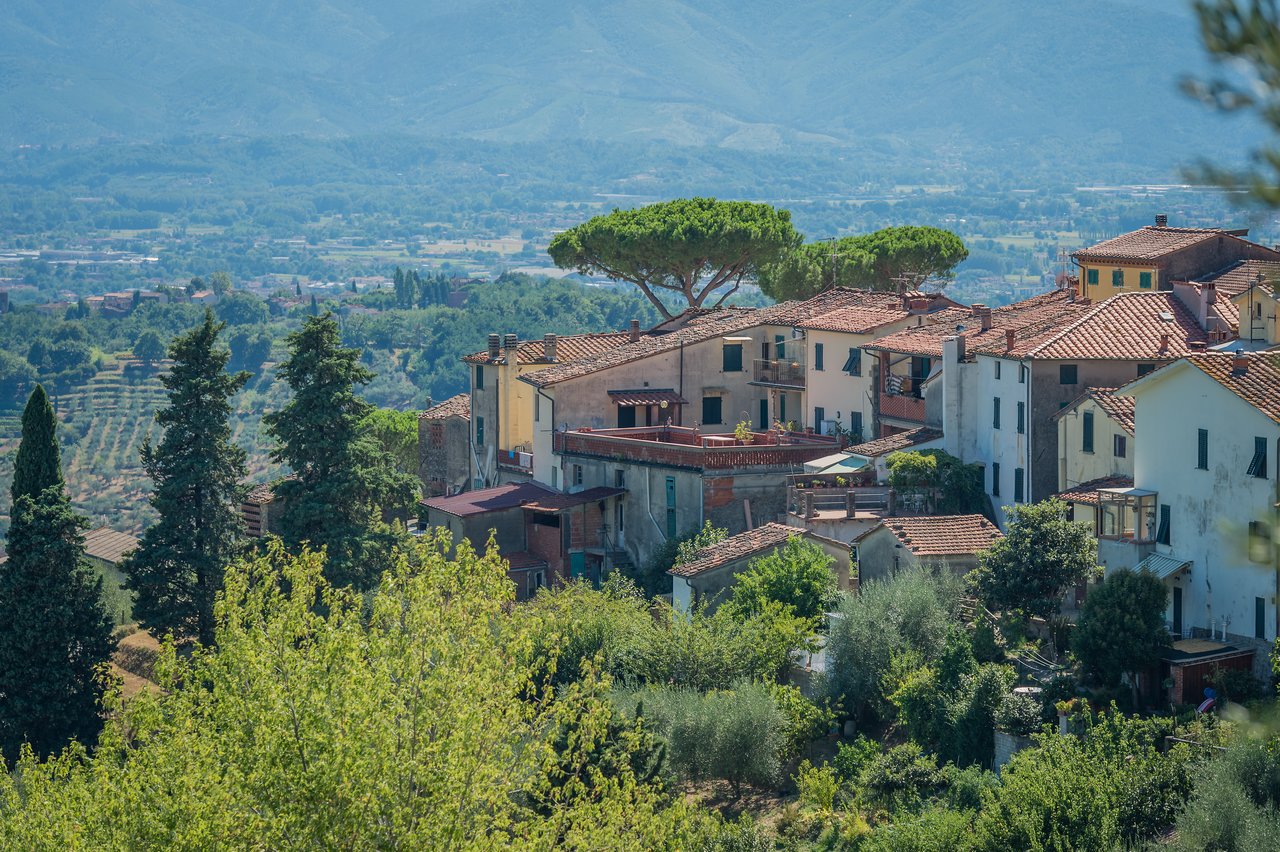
x,y
104,423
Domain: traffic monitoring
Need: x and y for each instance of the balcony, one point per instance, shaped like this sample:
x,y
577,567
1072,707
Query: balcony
x,y
678,446
515,461
781,373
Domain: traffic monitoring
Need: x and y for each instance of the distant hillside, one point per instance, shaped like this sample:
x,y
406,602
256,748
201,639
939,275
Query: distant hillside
x,y
998,79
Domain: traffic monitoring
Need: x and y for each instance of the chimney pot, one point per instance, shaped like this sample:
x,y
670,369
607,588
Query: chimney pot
x,y
511,341
635,330
1240,364
1009,337
1162,220
549,346
1164,341
495,344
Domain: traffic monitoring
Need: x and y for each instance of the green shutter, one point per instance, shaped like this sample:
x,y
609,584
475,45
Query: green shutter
x,y
1144,280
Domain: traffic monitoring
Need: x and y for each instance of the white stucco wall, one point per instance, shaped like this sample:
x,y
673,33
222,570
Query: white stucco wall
x,y
1074,464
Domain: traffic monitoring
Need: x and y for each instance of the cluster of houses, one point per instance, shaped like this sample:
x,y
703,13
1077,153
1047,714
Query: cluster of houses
x,y
1145,393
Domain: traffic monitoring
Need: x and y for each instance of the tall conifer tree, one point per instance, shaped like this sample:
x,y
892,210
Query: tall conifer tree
x,y
343,480
54,630
177,570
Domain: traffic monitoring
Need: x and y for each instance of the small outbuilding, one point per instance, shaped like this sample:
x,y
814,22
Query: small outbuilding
x,y
897,543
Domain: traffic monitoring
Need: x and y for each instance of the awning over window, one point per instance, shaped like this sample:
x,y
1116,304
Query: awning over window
x,y
1162,566
646,396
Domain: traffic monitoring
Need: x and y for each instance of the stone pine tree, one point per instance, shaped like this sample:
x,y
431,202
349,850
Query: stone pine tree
x,y
54,630
178,567
344,483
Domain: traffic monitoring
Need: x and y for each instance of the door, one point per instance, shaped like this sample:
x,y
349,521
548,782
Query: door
x,y
577,565
764,415
1177,611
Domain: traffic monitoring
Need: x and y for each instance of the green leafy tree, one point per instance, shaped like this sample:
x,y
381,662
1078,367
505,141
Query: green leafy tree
x,y
1041,556
343,481
393,720
38,463
54,630
695,247
906,257
1121,627
176,572
220,283
944,483
16,375
797,575
149,347
397,434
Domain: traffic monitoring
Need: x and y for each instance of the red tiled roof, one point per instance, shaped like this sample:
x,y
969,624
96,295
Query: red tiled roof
x,y
454,406
1029,318
1149,243
265,493
855,319
568,348
108,545
1259,385
1126,327
647,396
1240,276
893,443
1087,492
737,547
941,535
495,499
704,327
522,561
556,500
1118,408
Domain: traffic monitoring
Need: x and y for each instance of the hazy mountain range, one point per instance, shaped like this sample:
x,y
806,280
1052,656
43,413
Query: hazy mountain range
x,y
1092,77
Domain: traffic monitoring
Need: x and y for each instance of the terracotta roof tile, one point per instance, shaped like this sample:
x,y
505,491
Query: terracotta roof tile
x,y
737,547
1259,385
1029,319
1087,492
454,406
1240,276
1149,243
942,535
570,347
1126,327
894,443
495,499
108,545
855,320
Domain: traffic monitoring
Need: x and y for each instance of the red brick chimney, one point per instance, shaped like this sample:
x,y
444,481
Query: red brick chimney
x,y
983,313
1164,341
1162,220
635,330
1240,363
1009,337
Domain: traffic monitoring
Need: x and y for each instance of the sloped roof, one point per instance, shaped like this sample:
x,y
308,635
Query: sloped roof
x,y
1151,243
1029,318
855,319
1126,327
568,348
737,547
893,443
557,500
521,560
108,545
1087,492
1118,408
494,499
1240,276
647,396
454,406
1259,385
941,535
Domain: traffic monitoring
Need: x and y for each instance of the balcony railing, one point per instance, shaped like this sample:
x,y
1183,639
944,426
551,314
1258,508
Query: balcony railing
x,y
515,460
784,372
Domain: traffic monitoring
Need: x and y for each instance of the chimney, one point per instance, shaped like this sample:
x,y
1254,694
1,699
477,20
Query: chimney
x,y
1240,363
1208,297
1162,220
495,345
983,313
635,330
510,342
549,347
960,353
918,306
1164,341
1009,336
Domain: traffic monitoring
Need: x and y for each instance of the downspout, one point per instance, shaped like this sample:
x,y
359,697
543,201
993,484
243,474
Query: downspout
x,y
680,408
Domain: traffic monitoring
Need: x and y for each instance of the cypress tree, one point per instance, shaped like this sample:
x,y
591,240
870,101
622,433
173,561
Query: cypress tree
x,y
177,569
38,463
54,630
343,480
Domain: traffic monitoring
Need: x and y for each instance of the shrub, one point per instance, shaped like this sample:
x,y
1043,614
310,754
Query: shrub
x,y
852,758
901,777
818,786
805,720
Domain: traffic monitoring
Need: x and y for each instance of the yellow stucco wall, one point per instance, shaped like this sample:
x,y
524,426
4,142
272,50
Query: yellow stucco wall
x,y
1104,289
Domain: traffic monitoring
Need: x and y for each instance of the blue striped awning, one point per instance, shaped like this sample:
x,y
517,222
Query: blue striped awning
x,y
1162,566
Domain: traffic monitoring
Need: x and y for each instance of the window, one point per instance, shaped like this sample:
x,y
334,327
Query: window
x,y
671,507
817,356
1086,440
712,410
537,580
995,413
1143,369
855,423
1144,280
479,378
853,366
1091,277
819,414
555,478
1258,466
1022,374
1162,529
997,363
626,416
732,358
480,431
1117,278
577,474
618,518
1259,542
995,479
1068,374
779,347
1119,446
1259,618
537,407
1202,449
619,478
1019,484
1022,418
